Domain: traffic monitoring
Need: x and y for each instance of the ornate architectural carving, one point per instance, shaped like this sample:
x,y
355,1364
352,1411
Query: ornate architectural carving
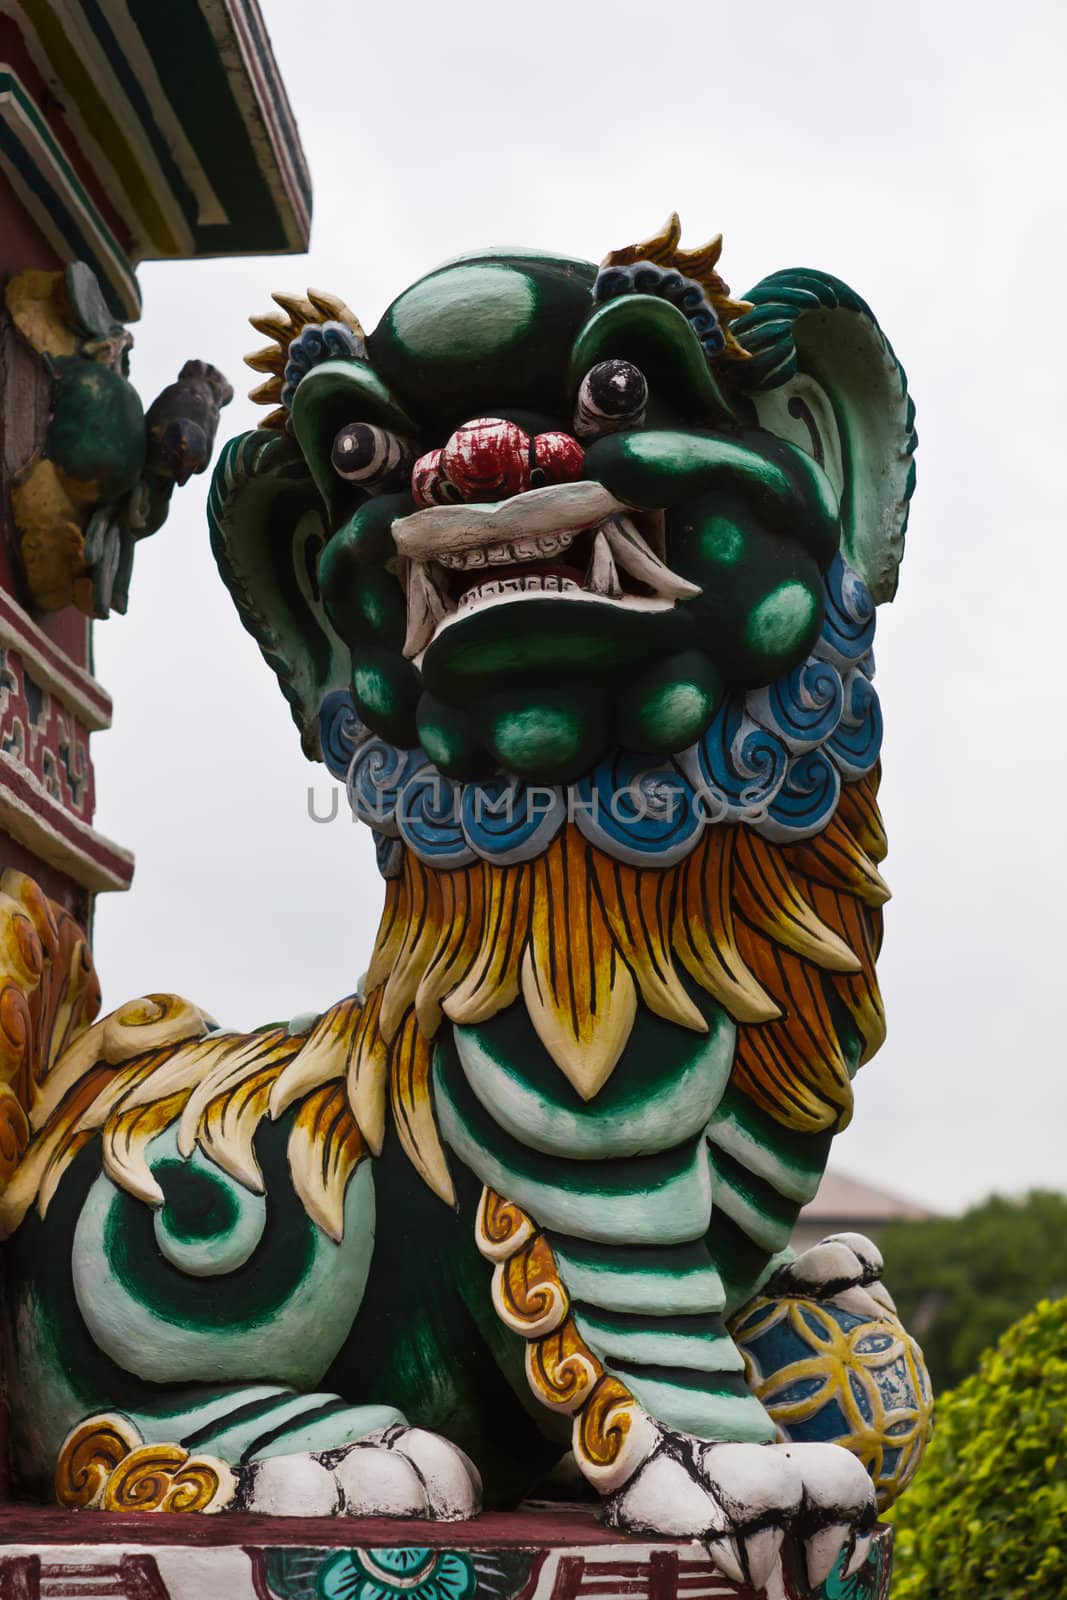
x,y
48,709
102,476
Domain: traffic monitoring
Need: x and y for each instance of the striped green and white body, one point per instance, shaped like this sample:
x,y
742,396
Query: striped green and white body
x,y
668,1200
664,1201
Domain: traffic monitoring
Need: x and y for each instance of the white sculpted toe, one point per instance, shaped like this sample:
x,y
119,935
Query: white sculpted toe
x,y
664,1499
378,1482
397,1472
290,1486
452,1482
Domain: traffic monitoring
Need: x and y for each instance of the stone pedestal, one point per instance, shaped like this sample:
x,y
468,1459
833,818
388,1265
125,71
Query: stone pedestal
x,y
535,1554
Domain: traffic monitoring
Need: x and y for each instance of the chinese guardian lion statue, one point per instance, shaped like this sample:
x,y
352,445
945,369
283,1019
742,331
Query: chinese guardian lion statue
x,y
570,575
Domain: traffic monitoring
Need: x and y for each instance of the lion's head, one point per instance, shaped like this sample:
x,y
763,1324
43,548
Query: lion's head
x,y
545,510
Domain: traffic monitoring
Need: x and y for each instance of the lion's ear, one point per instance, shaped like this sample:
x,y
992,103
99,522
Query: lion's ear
x,y
822,374
267,534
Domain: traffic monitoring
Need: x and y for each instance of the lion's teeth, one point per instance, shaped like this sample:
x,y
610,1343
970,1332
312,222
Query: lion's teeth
x,y
427,605
497,588
530,548
633,556
544,544
616,544
462,559
602,577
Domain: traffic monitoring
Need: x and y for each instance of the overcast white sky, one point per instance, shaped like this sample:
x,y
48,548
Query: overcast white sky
x,y
917,151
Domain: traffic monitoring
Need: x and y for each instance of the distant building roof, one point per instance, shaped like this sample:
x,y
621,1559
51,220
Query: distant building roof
x,y
843,1198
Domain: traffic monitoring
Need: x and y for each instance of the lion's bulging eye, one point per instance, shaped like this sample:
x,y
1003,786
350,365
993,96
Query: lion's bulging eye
x,y
613,395
371,457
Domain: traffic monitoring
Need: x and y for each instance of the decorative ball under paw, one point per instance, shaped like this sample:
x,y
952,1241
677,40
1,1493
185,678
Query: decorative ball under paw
x,y
829,1375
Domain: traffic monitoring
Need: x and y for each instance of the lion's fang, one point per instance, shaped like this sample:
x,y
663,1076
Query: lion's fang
x,y
634,557
602,577
427,605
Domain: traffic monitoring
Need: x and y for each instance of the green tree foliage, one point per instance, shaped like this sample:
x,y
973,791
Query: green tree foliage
x,y
986,1518
959,1282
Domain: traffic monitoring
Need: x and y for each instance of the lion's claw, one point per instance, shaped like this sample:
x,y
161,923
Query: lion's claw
x,y
861,1549
744,1500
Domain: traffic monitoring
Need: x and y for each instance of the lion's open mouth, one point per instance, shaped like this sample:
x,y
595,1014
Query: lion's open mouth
x,y
572,541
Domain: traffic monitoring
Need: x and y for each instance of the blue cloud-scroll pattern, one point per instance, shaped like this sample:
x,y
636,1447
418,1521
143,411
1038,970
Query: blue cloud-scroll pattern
x,y
645,277
319,342
803,707
847,634
773,760
638,810
429,818
500,821
737,763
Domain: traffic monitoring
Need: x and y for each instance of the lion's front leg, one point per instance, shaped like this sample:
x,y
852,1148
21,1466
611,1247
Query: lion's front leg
x,y
665,1427
596,1216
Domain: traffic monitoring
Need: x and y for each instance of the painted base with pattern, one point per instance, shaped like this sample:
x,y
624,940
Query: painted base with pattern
x,y
540,1555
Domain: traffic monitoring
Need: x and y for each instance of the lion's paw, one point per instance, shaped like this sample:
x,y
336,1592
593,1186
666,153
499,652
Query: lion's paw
x,y
845,1268
744,1500
397,1472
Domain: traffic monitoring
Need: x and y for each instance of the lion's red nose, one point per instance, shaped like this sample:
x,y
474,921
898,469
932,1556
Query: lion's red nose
x,y
490,459
557,458
487,459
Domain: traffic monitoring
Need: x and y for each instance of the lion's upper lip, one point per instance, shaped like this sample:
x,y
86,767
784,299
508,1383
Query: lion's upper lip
x,y
429,534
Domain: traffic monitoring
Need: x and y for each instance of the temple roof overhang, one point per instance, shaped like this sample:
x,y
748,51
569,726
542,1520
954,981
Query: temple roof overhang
x,y
134,130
